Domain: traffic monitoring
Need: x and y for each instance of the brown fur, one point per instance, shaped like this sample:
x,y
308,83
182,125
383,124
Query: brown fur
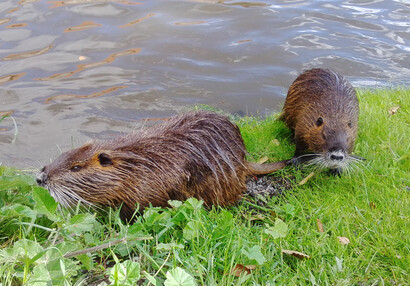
x,y
199,154
322,109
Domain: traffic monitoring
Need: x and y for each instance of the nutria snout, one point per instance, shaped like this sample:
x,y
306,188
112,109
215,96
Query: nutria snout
x,y
322,110
199,154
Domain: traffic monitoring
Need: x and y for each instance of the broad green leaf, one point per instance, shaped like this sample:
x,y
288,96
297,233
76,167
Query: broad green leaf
x,y
57,251
86,261
179,277
191,230
175,204
81,223
60,269
289,210
17,210
22,250
254,253
45,203
169,246
126,273
280,229
193,203
39,277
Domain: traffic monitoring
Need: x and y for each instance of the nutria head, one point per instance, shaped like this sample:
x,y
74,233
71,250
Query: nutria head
x,y
322,109
330,138
92,175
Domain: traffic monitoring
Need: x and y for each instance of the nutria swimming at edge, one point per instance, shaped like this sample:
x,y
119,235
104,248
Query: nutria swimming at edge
x,y
199,154
322,110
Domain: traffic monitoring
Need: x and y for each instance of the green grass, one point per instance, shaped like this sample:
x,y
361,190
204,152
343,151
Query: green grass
x,y
370,207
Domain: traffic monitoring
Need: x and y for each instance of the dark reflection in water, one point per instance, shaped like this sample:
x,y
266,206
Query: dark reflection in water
x,y
78,69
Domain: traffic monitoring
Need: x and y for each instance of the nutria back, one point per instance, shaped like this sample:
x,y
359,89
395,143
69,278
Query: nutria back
x,y
322,109
199,154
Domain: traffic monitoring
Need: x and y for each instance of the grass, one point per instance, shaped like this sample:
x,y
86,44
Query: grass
x,y
240,245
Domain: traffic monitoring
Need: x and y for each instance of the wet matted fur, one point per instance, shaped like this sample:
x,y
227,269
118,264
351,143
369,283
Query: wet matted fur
x,y
322,109
199,154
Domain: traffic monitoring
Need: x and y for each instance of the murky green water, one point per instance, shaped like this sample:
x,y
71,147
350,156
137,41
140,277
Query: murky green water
x,y
79,69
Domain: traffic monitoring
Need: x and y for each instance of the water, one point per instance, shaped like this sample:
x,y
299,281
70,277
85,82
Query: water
x,y
79,69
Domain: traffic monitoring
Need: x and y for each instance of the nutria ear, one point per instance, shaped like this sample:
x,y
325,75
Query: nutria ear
x,y
105,159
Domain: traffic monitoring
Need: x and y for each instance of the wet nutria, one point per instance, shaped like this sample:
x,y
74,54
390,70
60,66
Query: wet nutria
x,y
199,154
322,109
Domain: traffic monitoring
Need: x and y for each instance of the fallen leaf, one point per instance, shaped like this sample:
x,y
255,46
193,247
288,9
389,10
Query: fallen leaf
x,y
320,227
239,269
343,240
306,179
263,160
393,110
275,142
297,254
372,205
82,58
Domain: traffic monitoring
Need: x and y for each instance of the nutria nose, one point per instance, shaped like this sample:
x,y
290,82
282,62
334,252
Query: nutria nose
x,y
337,157
41,178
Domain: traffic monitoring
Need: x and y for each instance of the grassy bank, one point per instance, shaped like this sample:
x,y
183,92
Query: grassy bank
x,y
350,230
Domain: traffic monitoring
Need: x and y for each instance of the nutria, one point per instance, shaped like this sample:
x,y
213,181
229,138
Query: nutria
x,y
322,110
199,154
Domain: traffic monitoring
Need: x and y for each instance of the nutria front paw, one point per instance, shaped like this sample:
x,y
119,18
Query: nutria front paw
x,y
336,172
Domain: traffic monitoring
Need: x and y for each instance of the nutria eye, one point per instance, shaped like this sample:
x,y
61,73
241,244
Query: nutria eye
x,y
75,168
319,121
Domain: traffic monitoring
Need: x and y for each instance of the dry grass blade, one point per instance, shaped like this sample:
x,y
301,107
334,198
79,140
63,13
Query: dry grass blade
x,y
306,179
320,227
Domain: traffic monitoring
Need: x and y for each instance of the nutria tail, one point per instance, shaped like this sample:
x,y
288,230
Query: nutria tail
x,y
263,169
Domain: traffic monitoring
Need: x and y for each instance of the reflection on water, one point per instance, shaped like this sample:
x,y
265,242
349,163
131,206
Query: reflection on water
x,y
26,54
83,26
57,4
79,69
137,21
82,67
11,77
94,94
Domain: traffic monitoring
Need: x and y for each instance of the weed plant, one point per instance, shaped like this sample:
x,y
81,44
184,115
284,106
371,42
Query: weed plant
x,y
348,230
